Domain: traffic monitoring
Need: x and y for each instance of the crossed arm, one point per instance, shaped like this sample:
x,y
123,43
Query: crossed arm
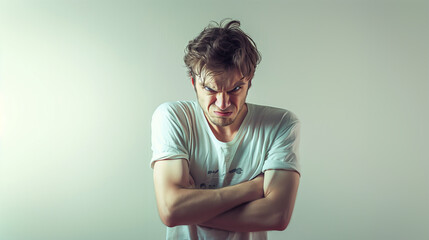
x,y
264,203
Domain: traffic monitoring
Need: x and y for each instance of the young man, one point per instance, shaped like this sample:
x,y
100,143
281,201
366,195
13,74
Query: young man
x,y
224,168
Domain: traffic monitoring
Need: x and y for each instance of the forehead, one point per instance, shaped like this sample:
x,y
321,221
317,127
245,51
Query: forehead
x,y
222,80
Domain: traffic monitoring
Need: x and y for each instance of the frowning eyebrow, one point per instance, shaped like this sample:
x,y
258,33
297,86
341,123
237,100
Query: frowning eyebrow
x,y
237,84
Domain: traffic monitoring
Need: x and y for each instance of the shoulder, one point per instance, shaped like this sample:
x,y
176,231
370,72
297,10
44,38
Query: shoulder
x,y
273,116
177,109
176,106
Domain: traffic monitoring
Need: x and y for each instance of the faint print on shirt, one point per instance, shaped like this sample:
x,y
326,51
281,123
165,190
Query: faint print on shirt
x,y
204,186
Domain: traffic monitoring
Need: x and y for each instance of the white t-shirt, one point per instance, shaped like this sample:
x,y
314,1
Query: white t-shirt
x,y
268,138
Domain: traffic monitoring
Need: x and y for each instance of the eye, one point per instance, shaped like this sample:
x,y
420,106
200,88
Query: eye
x,y
209,89
235,89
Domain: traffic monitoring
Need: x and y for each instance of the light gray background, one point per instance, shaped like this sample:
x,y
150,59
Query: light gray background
x,y
79,81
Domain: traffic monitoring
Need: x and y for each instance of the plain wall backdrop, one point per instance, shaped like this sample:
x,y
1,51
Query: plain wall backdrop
x,y
79,81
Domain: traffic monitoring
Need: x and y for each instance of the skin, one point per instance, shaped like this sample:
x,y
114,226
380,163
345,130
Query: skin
x,y
180,204
222,98
272,212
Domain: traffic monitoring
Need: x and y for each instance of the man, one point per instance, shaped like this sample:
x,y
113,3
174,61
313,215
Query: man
x,y
224,168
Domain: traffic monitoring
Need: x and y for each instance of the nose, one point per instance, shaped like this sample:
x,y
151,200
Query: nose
x,y
222,101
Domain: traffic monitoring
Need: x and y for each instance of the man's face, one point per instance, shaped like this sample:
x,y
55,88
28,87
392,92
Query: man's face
x,y
222,97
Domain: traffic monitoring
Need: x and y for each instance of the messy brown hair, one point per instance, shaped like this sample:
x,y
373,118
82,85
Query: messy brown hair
x,y
222,47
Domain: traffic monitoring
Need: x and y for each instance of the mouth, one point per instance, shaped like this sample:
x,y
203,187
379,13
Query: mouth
x,y
222,114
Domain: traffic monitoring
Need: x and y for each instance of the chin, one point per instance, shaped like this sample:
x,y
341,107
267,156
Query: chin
x,y
222,122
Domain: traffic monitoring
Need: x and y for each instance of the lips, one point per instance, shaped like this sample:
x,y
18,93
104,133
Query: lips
x,y
223,114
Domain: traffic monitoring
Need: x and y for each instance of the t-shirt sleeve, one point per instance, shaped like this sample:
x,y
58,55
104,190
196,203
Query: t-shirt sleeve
x,y
283,153
168,135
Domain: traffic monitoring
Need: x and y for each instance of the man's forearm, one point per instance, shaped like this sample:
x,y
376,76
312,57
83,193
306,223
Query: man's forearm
x,y
193,206
273,212
253,216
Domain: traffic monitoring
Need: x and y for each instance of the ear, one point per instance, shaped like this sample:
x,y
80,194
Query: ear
x,y
192,79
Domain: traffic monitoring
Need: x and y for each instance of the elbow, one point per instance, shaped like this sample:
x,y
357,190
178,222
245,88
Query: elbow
x,y
169,222
171,211
281,222
282,225
169,217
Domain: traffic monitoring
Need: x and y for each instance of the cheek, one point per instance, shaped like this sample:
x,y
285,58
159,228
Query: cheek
x,y
236,100
209,100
